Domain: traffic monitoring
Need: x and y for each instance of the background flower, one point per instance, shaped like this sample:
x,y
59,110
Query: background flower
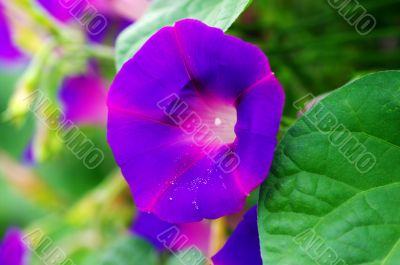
x,y
83,98
8,50
12,249
118,13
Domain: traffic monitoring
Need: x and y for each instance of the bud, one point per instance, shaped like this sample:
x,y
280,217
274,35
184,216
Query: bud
x,y
27,88
20,102
46,142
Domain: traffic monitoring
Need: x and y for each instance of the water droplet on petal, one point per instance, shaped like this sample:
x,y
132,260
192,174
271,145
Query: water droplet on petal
x,y
195,205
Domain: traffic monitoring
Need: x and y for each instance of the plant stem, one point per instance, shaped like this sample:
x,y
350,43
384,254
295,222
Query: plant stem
x,y
218,235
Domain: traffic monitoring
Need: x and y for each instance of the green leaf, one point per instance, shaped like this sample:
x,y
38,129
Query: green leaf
x,y
321,204
130,250
215,13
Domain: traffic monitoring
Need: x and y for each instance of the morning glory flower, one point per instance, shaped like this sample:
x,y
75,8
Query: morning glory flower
x,y
83,98
118,14
172,237
75,12
193,119
243,247
129,10
12,249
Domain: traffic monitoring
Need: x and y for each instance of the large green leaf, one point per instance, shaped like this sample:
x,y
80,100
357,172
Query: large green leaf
x,y
320,204
216,13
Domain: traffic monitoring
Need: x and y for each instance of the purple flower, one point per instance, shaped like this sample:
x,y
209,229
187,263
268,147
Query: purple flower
x,y
8,51
118,13
166,236
83,98
76,11
56,10
12,249
243,247
28,156
193,119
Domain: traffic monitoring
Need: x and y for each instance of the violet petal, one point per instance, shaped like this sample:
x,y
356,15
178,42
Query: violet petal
x,y
243,247
56,10
84,99
227,85
8,50
12,249
186,235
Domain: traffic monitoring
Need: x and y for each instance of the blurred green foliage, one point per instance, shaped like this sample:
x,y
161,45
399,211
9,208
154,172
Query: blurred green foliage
x,y
311,47
13,140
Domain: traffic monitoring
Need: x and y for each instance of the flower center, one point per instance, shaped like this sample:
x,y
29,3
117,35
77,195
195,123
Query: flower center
x,y
221,121
200,116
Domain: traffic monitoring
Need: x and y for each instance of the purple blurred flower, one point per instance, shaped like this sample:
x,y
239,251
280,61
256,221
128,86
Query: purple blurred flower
x,y
243,247
28,157
115,24
118,13
172,124
8,51
12,249
185,235
83,99
56,10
